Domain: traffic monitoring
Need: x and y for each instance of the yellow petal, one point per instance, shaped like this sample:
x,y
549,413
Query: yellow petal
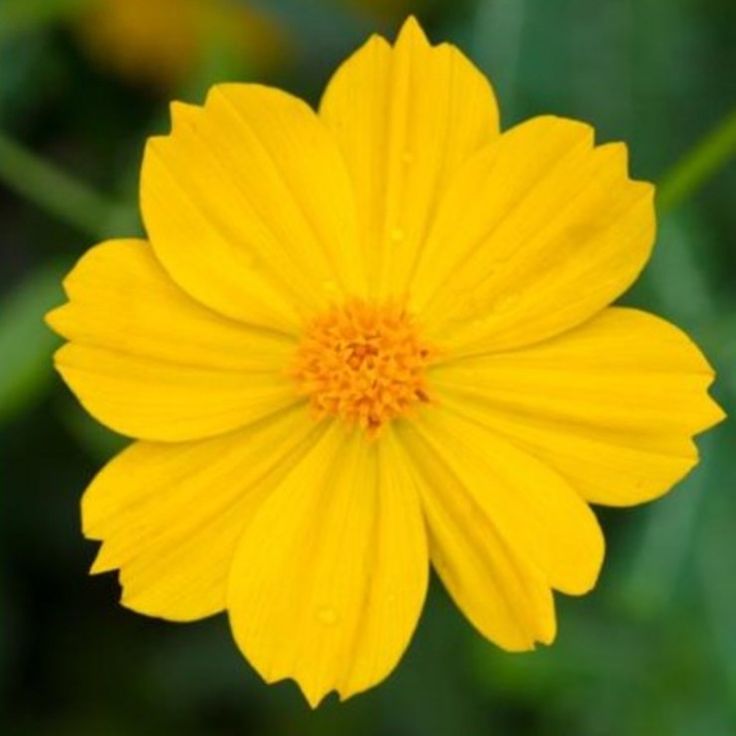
x,y
150,362
249,207
533,507
170,515
536,234
612,405
406,118
329,579
496,583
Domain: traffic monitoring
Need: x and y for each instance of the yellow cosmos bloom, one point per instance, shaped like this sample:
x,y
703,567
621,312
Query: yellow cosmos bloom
x,y
366,339
162,41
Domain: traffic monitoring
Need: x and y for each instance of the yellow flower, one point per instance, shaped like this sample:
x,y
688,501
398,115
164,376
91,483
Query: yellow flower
x,y
367,339
163,41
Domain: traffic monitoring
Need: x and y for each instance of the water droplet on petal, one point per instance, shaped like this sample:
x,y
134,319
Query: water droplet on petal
x,y
327,616
397,234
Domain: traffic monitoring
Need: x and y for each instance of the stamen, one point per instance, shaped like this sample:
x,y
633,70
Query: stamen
x,y
363,363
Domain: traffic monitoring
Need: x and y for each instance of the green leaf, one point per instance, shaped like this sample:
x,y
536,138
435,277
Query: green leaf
x,y
26,343
52,189
705,160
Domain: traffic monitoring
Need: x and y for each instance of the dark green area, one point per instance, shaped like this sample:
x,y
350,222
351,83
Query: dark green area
x,y
651,651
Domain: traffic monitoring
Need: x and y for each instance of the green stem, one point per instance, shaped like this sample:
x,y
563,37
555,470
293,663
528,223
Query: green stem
x,y
52,190
698,165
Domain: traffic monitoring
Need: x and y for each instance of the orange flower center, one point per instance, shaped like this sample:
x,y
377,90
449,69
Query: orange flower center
x,y
363,363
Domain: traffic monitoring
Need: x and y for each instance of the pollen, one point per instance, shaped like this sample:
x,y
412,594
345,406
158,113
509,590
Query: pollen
x,y
363,363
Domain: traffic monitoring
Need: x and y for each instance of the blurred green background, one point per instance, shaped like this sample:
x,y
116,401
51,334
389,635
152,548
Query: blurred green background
x,y
651,651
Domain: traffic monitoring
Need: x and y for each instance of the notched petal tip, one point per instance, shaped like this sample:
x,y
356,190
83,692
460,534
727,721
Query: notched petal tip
x,y
314,698
317,696
619,154
594,566
646,190
548,638
227,89
546,631
411,31
103,561
620,150
182,114
528,639
314,695
716,414
719,412
60,354
222,88
561,122
154,147
54,319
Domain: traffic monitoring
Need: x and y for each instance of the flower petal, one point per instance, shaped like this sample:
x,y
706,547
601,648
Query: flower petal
x,y
491,577
148,361
249,207
546,231
329,579
405,118
611,405
170,515
533,507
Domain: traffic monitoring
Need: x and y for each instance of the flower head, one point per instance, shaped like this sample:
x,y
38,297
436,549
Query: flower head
x,y
364,340
362,363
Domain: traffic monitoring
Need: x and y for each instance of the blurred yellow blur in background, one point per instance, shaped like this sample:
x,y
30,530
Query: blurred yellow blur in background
x,y
163,41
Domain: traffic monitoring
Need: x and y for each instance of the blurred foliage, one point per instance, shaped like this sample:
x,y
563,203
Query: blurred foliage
x,y
25,343
651,651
